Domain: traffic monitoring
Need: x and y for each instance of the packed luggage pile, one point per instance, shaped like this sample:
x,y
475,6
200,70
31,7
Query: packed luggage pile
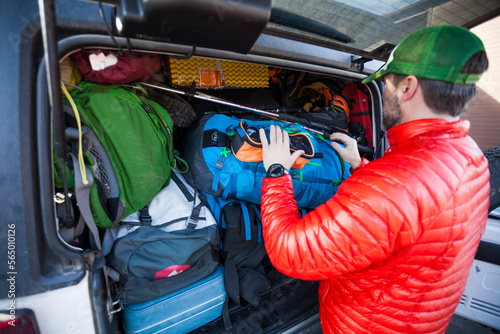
x,y
167,185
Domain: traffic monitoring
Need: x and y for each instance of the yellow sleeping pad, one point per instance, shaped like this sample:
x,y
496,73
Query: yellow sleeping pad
x,y
211,73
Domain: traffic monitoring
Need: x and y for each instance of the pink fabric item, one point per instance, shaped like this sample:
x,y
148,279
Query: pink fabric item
x,y
171,271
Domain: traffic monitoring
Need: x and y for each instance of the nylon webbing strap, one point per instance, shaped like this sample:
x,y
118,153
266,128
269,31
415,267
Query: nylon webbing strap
x,y
231,278
230,272
246,219
195,216
214,207
182,187
231,187
225,315
241,132
192,221
259,225
224,153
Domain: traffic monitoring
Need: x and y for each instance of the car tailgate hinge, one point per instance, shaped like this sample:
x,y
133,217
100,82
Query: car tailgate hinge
x,y
359,63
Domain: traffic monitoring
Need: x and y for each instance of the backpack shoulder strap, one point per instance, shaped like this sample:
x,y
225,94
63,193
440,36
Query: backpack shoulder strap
x,y
82,192
231,280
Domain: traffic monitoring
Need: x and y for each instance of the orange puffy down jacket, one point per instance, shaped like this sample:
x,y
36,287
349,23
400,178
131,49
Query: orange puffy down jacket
x,y
393,248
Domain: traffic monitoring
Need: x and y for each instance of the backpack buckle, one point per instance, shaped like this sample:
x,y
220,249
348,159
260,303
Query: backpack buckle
x,y
191,223
224,153
144,216
220,162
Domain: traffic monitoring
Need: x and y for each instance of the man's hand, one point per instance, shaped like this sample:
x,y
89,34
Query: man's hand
x,y
277,151
350,153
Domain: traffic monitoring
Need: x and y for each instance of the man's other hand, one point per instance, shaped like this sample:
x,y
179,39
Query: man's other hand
x,y
350,153
277,151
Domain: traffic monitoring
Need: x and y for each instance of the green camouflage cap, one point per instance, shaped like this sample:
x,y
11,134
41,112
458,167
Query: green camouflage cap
x,y
434,53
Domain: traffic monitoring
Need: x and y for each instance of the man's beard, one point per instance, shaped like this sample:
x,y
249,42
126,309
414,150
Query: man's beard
x,y
392,113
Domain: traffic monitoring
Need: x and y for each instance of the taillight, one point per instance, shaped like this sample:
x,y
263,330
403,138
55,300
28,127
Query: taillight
x,y
22,322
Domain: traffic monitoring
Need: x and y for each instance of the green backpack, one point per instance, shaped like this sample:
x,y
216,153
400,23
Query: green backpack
x,y
127,147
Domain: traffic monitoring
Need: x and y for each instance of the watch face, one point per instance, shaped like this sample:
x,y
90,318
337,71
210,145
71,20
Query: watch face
x,y
276,170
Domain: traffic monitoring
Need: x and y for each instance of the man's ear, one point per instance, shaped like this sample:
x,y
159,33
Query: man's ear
x,y
408,87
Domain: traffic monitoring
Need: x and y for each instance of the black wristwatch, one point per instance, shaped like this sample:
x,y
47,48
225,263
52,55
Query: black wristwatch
x,y
276,170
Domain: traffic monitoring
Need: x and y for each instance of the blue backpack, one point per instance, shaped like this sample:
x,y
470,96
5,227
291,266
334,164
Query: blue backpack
x,y
225,155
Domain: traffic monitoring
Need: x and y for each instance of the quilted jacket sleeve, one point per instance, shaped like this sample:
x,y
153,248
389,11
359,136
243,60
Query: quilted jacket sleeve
x,y
342,235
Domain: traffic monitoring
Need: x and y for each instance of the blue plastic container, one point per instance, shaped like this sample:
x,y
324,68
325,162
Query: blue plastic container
x,y
181,311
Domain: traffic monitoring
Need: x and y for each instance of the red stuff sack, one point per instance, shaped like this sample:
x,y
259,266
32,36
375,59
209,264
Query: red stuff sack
x,y
360,111
127,69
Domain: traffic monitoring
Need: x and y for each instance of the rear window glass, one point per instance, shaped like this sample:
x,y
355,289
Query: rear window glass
x,y
377,26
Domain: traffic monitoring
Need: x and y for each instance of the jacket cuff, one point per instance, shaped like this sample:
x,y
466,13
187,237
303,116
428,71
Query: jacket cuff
x,y
363,163
282,177
273,181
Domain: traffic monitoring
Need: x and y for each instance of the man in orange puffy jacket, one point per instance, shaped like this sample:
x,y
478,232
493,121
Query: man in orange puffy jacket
x,y
393,247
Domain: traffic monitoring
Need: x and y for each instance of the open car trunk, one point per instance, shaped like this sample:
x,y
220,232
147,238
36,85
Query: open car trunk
x,y
264,79
56,261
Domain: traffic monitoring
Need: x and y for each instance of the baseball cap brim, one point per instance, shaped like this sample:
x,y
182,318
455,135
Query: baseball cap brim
x,y
374,76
